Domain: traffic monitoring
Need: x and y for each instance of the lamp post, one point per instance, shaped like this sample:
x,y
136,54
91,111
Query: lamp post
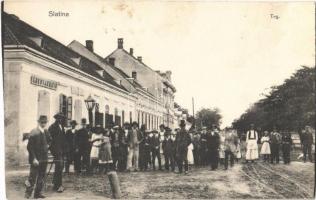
x,y
90,103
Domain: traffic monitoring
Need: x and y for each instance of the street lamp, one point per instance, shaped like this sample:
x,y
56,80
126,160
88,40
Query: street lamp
x,y
90,103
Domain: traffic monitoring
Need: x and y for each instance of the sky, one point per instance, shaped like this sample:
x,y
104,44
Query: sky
x,y
224,54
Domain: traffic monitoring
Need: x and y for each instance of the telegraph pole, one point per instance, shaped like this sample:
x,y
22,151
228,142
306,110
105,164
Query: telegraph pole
x,y
193,113
193,105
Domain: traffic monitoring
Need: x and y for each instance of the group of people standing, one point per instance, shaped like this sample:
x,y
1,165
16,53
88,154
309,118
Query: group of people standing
x,y
100,150
212,147
130,148
275,142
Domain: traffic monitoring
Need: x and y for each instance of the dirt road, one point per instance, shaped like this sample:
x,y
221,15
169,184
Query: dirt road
x,y
259,180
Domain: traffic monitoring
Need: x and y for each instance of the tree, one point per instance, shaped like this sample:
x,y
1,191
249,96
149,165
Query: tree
x,y
207,117
289,106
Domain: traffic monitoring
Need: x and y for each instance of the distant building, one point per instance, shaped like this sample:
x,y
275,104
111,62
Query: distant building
x,y
156,83
43,77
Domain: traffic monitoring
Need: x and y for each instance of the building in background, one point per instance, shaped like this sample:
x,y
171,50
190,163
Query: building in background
x,y
43,77
160,109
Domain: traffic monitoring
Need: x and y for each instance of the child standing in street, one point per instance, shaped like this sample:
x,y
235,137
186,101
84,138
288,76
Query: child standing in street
x,y
105,154
265,149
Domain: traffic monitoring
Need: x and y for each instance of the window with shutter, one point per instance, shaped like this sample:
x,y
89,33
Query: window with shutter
x,y
63,104
123,117
69,110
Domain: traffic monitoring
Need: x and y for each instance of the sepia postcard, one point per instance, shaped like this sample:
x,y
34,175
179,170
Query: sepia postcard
x,y
169,99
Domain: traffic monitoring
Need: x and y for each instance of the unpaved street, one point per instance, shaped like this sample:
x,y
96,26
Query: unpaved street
x,y
259,180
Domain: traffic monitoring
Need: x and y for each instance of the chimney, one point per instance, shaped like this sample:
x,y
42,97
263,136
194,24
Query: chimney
x,y
134,75
139,58
131,51
89,45
112,61
120,43
168,75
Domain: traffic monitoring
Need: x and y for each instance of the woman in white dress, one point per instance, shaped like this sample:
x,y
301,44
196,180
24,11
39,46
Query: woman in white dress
x,y
252,145
221,151
190,154
265,149
96,143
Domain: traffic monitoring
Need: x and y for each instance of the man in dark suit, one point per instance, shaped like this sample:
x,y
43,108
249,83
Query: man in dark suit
x,y
168,146
122,165
183,140
82,148
307,142
58,149
203,148
275,142
155,149
70,138
37,147
213,146
286,147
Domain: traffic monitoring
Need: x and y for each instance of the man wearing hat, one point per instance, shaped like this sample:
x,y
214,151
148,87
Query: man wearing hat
x,y
133,140
203,148
213,142
82,146
275,143
39,140
115,145
123,146
70,138
58,149
167,146
307,143
183,140
252,145
155,149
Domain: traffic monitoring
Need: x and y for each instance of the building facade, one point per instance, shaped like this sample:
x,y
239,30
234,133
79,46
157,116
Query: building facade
x,y
157,84
44,77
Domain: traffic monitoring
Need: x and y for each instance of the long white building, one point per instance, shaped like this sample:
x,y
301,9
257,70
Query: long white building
x,y
43,77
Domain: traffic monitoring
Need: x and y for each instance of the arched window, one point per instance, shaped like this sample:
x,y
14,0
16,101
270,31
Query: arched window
x,y
117,118
107,117
107,109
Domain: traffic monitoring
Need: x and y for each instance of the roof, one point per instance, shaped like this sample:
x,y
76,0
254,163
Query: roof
x,y
19,32
82,50
135,60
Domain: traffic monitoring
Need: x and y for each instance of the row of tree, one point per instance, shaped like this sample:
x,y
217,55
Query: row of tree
x,y
289,106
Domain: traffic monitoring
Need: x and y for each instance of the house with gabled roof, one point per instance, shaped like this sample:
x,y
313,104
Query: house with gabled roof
x,y
43,77
157,83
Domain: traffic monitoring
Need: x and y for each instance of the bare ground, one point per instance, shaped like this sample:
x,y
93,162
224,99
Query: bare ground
x,y
259,180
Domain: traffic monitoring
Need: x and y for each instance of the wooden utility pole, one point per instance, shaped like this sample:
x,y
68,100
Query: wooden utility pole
x,y
193,106
193,113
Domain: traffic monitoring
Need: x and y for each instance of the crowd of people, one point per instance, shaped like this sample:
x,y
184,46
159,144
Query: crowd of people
x,y
133,148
